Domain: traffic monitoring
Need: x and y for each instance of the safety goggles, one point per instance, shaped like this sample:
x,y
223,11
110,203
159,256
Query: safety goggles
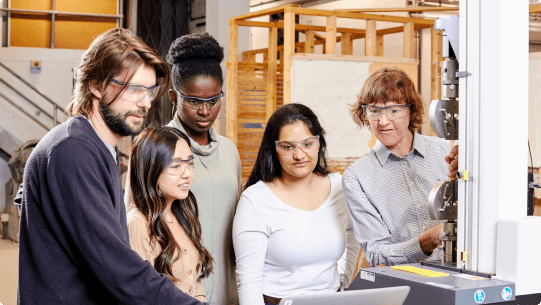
x,y
177,167
134,92
197,103
392,112
308,145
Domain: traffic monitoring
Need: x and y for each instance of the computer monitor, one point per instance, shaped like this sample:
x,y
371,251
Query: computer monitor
x,y
378,296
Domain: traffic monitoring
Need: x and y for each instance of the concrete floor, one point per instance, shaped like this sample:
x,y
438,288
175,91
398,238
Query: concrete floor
x,y
9,258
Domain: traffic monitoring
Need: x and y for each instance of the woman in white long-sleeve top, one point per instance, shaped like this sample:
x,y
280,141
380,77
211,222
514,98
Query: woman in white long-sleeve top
x,y
292,231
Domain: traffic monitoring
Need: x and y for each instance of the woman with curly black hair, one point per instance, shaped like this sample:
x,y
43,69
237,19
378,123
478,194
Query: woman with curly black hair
x,y
197,97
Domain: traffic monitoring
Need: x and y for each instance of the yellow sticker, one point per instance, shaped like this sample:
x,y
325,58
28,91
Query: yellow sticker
x,y
420,271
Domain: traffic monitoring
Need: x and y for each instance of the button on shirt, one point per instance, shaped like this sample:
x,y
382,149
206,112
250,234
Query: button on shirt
x,y
387,196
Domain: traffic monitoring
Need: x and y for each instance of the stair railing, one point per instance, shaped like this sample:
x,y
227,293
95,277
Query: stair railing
x,y
56,107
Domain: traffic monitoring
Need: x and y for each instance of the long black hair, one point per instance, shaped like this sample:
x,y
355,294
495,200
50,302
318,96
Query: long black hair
x,y
150,155
267,166
194,55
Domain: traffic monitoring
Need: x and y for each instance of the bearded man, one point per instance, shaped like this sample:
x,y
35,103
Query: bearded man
x,y
73,242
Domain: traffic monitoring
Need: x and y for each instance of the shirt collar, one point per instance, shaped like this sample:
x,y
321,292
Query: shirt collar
x,y
203,150
383,152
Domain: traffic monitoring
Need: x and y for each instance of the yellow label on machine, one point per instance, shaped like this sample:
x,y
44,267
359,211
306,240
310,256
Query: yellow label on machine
x,y
420,271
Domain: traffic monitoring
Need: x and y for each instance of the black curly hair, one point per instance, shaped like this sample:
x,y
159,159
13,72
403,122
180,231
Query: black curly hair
x,y
194,55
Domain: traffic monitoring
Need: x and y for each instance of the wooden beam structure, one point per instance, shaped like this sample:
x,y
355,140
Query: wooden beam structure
x,y
289,50
379,45
232,69
370,44
400,29
535,8
409,40
418,9
271,72
298,27
347,44
388,18
267,12
309,42
330,35
256,89
436,57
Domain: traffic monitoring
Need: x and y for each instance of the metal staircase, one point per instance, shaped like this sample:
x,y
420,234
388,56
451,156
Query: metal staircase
x,y
39,109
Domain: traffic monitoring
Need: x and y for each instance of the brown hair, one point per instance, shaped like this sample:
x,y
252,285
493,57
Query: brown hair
x,y
108,56
150,155
389,84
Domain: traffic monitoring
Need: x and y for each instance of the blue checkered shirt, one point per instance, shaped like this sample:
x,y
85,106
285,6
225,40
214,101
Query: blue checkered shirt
x,y
387,197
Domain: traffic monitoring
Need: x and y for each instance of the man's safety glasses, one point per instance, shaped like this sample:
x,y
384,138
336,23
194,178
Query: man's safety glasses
x,y
134,93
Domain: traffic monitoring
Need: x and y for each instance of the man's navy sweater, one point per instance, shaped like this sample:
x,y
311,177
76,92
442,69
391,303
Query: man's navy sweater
x,y
73,242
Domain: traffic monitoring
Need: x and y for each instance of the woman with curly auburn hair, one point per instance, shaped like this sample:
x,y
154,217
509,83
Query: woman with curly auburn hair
x,y
163,223
387,189
385,85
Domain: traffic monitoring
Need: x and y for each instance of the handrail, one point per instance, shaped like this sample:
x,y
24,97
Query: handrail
x,y
27,99
55,105
24,111
32,87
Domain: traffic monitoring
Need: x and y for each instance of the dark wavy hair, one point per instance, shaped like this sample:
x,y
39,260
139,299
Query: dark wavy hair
x,y
109,55
389,84
194,55
267,166
150,155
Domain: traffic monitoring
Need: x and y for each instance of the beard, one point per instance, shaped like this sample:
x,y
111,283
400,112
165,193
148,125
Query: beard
x,y
117,121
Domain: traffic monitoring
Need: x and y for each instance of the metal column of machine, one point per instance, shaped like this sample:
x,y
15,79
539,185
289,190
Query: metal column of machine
x,y
443,199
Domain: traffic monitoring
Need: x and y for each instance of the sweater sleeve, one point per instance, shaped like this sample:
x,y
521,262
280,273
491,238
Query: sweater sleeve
x,y
371,231
250,241
83,191
139,238
239,173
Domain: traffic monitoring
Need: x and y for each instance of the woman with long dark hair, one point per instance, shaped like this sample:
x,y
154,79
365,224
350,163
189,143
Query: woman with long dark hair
x,y
163,223
292,233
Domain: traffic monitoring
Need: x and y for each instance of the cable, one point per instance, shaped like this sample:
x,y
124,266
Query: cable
x,y
531,160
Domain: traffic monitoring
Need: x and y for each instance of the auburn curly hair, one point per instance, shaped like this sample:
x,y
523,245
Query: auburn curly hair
x,y
389,84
